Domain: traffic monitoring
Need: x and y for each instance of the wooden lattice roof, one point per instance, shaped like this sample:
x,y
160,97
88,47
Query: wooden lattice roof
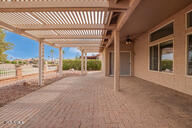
x,y
66,23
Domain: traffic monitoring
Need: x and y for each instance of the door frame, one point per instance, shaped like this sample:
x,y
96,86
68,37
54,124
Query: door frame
x,y
130,53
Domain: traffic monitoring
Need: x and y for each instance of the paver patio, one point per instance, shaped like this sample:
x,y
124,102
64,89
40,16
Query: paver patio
x,y
90,102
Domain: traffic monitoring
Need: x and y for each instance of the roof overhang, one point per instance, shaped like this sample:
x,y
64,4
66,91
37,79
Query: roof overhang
x,y
150,13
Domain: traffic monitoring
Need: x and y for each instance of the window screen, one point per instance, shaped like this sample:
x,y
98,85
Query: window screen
x,y
166,56
189,19
154,58
163,32
189,55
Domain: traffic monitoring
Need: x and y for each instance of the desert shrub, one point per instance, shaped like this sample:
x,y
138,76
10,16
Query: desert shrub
x,y
76,64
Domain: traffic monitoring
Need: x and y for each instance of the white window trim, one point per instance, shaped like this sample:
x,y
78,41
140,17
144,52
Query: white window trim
x,y
186,27
188,32
158,43
186,54
156,29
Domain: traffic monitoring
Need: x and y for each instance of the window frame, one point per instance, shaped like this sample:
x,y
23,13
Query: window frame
x,y
160,56
149,67
188,32
186,54
160,27
186,20
158,43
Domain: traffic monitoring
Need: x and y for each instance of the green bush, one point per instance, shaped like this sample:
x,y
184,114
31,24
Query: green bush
x,y
166,64
14,62
76,64
7,62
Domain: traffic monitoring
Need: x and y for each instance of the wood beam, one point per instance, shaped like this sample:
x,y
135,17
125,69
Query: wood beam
x,y
74,37
88,51
110,17
11,28
82,61
60,61
123,18
85,61
90,47
75,42
66,27
116,60
110,40
20,8
53,4
77,45
37,6
116,1
41,63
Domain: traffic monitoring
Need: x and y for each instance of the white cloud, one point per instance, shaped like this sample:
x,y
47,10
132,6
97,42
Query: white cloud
x,y
92,53
11,57
74,50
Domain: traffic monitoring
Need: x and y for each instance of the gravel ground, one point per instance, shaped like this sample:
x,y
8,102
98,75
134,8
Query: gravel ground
x,y
19,89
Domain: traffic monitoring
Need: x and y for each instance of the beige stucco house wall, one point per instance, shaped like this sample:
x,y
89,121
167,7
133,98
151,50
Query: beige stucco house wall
x,y
177,80
106,58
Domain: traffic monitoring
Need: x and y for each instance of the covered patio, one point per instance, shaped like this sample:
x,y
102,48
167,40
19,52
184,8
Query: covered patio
x,y
89,25
83,102
153,37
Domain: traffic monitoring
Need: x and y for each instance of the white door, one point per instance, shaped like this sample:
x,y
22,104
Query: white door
x,y
125,65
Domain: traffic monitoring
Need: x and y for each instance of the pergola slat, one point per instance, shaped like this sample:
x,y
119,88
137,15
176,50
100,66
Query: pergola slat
x,y
46,5
77,45
74,37
67,27
77,42
69,19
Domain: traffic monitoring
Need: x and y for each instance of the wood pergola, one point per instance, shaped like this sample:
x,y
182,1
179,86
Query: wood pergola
x,y
90,25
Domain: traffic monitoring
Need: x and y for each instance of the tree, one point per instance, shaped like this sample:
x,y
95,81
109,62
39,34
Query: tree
x,y
4,46
63,53
52,51
77,56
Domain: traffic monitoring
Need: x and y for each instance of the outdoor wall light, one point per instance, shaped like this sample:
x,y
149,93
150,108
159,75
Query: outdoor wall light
x,y
128,41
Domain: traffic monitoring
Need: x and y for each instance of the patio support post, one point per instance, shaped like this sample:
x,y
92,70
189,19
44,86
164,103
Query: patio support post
x,y
86,62
60,61
41,63
82,61
116,61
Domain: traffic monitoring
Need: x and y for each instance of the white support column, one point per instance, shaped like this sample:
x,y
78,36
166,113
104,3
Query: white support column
x,y
82,61
116,61
86,62
41,63
60,61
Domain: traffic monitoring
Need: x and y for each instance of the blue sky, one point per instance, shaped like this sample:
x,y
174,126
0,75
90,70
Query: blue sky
x,y
26,48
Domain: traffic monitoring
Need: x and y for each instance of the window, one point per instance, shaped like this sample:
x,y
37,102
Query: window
x,y
189,19
163,32
189,55
154,58
166,56
161,57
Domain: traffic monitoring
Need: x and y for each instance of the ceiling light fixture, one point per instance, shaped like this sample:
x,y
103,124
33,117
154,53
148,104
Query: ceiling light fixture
x,y
128,41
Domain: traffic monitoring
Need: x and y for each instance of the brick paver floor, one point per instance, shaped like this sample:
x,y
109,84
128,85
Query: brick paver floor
x,y
90,102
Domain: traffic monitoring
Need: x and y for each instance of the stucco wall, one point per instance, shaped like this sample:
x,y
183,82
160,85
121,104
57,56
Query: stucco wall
x,y
177,80
123,48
